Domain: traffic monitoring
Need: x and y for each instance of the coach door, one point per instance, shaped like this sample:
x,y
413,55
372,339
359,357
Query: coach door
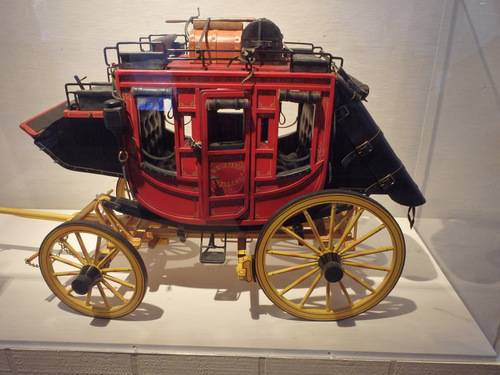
x,y
225,148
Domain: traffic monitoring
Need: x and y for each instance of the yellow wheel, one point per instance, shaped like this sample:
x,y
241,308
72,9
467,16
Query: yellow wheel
x,y
329,255
93,269
122,190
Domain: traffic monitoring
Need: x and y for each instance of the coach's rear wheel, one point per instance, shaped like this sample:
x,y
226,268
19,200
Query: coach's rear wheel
x,y
329,255
93,269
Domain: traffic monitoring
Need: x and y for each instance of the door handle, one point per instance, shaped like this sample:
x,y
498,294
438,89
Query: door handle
x,y
196,147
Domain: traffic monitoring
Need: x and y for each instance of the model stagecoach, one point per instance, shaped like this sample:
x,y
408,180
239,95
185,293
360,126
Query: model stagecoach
x,y
226,133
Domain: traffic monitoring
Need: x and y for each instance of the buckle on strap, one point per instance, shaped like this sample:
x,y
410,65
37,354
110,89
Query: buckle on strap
x,y
386,182
341,113
361,150
364,148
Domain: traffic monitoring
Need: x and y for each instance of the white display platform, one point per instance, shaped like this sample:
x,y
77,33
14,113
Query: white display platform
x,y
194,308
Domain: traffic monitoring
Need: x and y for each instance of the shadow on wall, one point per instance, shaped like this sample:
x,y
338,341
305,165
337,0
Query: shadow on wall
x,y
418,265
461,172
468,251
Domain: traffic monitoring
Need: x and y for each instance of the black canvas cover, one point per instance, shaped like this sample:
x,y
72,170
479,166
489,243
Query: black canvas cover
x,y
362,159
80,144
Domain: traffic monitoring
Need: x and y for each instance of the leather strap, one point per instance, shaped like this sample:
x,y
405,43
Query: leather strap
x,y
362,149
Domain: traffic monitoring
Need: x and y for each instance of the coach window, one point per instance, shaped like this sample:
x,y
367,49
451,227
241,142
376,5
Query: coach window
x,y
226,123
157,130
296,125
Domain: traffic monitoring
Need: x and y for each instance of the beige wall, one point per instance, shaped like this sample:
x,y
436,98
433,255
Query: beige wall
x,y
432,66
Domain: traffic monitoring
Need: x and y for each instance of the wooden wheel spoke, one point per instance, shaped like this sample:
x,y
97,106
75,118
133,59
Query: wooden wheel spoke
x,y
358,280
73,251
345,292
119,281
369,266
300,240
348,228
89,296
314,229
66,261
117,269
83,247
292,268
97,251
327,297
108,258
103,296
362,239
331,228
310,290
299,280
114,291
66,273
368,252
293,255
342,221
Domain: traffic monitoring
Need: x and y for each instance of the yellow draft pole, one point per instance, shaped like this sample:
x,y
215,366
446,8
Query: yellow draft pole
x,y
43,215
30,214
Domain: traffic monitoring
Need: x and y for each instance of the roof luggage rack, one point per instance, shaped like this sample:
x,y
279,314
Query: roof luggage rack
x,y
133,55
88,96
227,41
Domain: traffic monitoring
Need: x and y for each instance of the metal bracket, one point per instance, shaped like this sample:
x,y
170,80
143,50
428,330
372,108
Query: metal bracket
x,y
212,253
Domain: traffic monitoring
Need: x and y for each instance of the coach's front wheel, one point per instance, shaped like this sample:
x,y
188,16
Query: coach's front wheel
x,y
93,269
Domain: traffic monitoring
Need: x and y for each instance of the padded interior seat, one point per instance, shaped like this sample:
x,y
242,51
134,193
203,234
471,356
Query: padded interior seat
x,y
157,143
93,100
301,156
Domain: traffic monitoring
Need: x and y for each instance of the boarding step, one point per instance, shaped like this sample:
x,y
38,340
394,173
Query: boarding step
x,y
213,252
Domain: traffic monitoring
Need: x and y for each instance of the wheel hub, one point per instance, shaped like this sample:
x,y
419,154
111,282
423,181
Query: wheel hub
x,y
331,265
86,279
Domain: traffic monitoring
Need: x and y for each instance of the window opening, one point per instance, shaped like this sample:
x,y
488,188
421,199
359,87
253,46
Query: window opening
x,y
225,129
264,130
288,118
295,138
187,123
157,130
169,118
226,123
